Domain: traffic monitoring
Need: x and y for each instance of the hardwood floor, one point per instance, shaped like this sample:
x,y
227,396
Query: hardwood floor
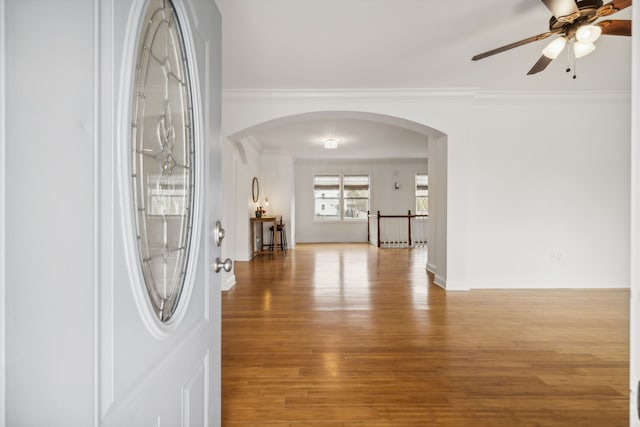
x,y
349,335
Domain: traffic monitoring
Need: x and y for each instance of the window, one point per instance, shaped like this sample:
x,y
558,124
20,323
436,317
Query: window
x,y
355,196
422,194
326,192
341,197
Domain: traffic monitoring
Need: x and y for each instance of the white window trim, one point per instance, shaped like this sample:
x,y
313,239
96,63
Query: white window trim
x,y
415,188
341,218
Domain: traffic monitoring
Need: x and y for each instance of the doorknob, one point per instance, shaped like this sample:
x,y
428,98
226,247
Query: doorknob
x,y
219,233
226,265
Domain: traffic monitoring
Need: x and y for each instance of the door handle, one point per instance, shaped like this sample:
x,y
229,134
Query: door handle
x,y
219,233
223,265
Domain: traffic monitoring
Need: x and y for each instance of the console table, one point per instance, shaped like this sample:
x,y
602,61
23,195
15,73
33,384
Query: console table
x,y
276,236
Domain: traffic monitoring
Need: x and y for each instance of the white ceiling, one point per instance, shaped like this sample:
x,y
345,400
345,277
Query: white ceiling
x,y
394,44
357,139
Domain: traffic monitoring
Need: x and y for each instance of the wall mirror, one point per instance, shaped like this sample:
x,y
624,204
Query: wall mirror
x,y
255,190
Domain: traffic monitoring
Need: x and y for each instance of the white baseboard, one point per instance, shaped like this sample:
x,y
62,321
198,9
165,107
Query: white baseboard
x,y
451,285
439,281
466,285
633,408
229,283
556,284
442,282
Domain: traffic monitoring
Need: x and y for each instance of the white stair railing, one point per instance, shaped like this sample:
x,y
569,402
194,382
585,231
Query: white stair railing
x,y
398,231
419,231
372,232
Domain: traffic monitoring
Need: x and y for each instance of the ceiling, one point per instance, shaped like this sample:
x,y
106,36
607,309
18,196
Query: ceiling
x,y
357,139
397,44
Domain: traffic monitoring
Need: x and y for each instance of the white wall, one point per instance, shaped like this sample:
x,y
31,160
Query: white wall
x,y
276,181
550,210
279,187
245,159
437,225
383,196
499,147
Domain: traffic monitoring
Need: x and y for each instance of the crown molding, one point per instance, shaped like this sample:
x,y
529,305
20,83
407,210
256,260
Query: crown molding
x,y
360,161
532,97
349,95
252,142
469,95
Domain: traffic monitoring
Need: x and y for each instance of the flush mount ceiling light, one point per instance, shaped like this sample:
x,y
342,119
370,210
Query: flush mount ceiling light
x,y
330,143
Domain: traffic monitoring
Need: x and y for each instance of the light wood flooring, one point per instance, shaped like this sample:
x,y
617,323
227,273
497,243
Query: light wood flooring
x,y
350,335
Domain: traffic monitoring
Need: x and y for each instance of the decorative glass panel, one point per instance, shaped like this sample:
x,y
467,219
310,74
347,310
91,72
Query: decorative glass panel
x,y
162,153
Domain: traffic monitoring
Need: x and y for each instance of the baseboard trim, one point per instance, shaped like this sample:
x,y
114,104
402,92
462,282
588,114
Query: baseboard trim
x,y
229,283
432,268
494,284
451,285
515,284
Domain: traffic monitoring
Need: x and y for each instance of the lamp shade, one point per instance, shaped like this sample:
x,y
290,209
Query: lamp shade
x,y
588,33
554,48
581,49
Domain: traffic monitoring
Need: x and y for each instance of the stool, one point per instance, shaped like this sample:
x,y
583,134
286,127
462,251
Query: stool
x,y
283,236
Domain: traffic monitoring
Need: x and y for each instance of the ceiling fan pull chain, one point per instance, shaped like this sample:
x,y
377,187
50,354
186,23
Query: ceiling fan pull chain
x,y
571,60
575,62
568,60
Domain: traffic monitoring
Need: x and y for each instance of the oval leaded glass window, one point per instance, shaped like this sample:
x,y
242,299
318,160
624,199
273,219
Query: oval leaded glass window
x,y
162,156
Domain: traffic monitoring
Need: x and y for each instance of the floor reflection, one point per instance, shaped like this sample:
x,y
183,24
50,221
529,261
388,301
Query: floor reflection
x,y
341,279
352,335
267,300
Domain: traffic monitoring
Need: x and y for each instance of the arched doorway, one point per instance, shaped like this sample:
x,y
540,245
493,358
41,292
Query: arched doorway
x,y
271,149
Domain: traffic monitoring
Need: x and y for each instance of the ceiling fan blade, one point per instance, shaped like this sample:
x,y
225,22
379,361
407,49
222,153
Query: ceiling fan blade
x,y
540,65
616,27
563,10
513,45
613,7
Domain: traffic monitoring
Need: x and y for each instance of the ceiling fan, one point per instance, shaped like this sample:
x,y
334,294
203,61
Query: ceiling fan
x,y
573,21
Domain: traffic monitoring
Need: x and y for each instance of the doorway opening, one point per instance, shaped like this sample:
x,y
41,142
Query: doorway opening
x,y
283,151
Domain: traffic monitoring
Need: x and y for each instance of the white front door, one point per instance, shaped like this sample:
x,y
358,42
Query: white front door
x,y
154,371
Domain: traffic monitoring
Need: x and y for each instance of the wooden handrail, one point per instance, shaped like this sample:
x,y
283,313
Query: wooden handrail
x,y
378,228
403,216
368,227
409,227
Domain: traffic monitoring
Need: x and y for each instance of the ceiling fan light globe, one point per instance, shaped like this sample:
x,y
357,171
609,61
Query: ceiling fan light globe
x,y
582,49
553,49
588,33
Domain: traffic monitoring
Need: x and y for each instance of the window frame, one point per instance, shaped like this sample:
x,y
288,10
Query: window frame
x,y
340,217
327,218
418,197
344,198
